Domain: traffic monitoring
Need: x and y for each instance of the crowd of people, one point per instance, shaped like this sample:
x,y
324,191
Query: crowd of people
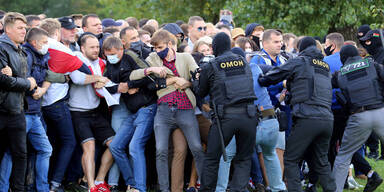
x,y
92,104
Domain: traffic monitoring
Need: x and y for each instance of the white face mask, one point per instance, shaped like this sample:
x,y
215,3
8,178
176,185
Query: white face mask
x,y
79,32
248,50
44,49
112,59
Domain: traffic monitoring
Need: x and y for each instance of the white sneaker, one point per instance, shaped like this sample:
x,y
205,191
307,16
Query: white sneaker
x,y
354,182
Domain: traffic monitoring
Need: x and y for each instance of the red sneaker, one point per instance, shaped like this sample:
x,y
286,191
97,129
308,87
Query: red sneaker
x,y
93,189
103,187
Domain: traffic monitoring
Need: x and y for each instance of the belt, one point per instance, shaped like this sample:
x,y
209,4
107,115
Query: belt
x,y
235,109
267,114
367,108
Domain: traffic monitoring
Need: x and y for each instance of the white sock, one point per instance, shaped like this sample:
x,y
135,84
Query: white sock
x,y
370,174
310,184
98,182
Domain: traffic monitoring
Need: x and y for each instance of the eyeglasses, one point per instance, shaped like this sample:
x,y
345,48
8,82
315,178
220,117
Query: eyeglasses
x,y
202,28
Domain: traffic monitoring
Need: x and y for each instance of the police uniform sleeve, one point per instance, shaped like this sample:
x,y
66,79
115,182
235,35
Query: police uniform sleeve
x,y
278,74
380,71
205,80
334,79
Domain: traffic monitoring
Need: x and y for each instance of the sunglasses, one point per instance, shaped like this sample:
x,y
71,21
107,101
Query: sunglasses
x,y
202,28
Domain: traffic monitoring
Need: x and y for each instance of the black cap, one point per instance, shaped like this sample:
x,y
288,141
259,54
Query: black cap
x,y
348,51
173,28
362,30
67,22
221,43
109,22
306,42
375,33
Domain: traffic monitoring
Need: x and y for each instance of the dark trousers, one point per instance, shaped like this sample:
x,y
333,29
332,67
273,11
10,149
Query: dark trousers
x,y
62,136
244,128
313,135
373,143
13,128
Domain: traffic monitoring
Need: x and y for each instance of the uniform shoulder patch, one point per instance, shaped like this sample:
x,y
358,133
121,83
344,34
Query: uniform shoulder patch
x,y
361,64
320,64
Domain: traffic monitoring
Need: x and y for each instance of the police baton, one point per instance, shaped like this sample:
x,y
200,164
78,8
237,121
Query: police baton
x,y
220,131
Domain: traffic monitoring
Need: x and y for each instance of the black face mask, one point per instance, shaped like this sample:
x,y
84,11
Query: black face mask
x,y
328,50
136,46
256,40
374,47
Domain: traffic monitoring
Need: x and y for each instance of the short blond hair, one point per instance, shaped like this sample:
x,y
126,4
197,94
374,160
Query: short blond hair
x,y
11,17
50,25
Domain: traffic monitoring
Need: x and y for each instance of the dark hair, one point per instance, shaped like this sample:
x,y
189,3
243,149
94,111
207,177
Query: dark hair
x,y
142,22
241,41
221,26
84,22
31,18
124,31
111,30
76,16
84,38
336,38
35,34
149,28
181,48
132,21
184,27
179,22
268,33
193,19
112,42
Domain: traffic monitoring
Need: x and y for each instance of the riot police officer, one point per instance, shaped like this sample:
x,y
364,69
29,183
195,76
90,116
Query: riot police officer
x,y
309,82
228,81
361,83
373,44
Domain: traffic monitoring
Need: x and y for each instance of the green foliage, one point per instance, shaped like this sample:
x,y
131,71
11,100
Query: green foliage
x,y
311,17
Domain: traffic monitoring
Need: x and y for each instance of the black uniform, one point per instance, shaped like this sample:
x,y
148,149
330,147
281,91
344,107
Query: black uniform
x,y
361,84
309,82
228,81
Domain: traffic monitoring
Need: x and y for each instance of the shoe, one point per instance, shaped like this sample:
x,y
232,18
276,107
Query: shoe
x,y
131,189
310,189
380,158
373,155
352,181
259,188
83,184
93,189
373,182
103,187
114,188
191,189
75,187
56,188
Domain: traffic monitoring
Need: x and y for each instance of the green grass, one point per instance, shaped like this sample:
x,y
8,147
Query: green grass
x,y
378,166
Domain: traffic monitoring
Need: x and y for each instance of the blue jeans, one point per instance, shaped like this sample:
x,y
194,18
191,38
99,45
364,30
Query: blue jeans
x,y
134,130
267,134
59,130
224,167
38,138
166,120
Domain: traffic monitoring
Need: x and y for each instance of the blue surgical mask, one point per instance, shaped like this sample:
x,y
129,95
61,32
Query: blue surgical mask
x,y
113,59
162,54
